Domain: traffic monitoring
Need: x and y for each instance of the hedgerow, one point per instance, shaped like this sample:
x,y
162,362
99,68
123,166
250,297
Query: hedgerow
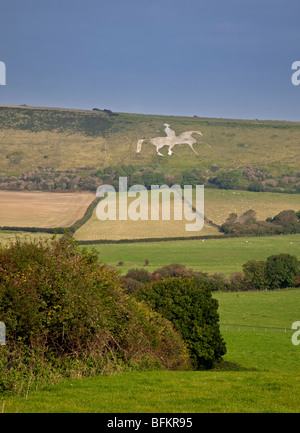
x,y
66,315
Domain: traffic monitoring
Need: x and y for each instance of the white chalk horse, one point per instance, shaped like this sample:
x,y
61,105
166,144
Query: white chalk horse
x,y
170,140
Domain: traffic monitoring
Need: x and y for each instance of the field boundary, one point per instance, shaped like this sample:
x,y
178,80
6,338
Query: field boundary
x,y
146,240
253,328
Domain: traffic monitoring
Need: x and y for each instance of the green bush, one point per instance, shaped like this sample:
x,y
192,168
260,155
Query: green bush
x,y
66,313
227,179
139,275
173,270
193,312
255,275
282,270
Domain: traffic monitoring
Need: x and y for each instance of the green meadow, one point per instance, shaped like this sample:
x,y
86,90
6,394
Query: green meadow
x,y
258,339
209,255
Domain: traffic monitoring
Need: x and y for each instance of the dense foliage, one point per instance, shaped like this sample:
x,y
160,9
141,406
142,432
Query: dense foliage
x,y
286,222
66,314
193,311
277,271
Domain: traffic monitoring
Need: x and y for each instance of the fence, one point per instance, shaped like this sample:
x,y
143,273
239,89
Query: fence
x,y
251,328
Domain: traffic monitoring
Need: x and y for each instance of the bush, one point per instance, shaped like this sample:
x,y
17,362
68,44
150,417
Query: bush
x,y
237,282
193,312
66,314
173,270
256,186
227,180
282,270
255,275
139,275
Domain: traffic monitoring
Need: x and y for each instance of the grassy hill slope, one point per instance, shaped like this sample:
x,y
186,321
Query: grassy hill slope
x,y
54,149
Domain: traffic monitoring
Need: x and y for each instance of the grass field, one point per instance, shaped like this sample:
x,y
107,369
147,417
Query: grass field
x,y
218,204
42,209
263,344
210,255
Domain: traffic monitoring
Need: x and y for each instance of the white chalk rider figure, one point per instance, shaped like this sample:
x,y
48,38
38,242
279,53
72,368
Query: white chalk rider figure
x,y
170,140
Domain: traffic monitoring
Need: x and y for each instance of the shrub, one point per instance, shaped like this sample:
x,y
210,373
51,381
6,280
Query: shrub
x,y
255,275
237,282
173,270
66,314
139,275
193,311
281,271
213,282
256,186
227,180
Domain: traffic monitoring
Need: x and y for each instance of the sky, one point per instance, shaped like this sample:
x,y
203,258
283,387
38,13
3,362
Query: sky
x,y
209,58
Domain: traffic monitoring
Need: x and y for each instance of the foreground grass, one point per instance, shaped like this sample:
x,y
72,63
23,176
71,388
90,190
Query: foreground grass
x,y
168,392
260,340
212,255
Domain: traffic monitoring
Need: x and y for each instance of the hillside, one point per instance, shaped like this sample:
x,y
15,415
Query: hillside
x,y
59,149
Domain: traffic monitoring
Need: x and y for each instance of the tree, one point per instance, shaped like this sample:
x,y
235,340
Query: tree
x,y
281,271
227,180
255,275
192,177
173,270
193,312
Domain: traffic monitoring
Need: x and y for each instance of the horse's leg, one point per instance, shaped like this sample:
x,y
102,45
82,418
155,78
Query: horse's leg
x,y
158,144
191,146
157,149
190,143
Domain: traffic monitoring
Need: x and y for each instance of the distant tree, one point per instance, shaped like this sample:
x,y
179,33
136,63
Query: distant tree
x,y
237,281
256,186
153,178
173,270
281,271
288,220
227,179
192,177
139,275
255,275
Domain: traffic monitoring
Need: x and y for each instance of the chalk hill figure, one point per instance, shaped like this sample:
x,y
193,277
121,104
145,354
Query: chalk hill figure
x,y
171,140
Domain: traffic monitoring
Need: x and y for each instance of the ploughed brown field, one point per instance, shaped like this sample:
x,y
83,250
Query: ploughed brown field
x,y
42,209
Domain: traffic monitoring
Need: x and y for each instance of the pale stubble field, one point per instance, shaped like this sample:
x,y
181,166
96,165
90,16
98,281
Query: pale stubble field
x,y
42,209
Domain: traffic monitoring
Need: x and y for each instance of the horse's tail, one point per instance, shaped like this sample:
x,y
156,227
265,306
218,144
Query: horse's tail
x,y
139,145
